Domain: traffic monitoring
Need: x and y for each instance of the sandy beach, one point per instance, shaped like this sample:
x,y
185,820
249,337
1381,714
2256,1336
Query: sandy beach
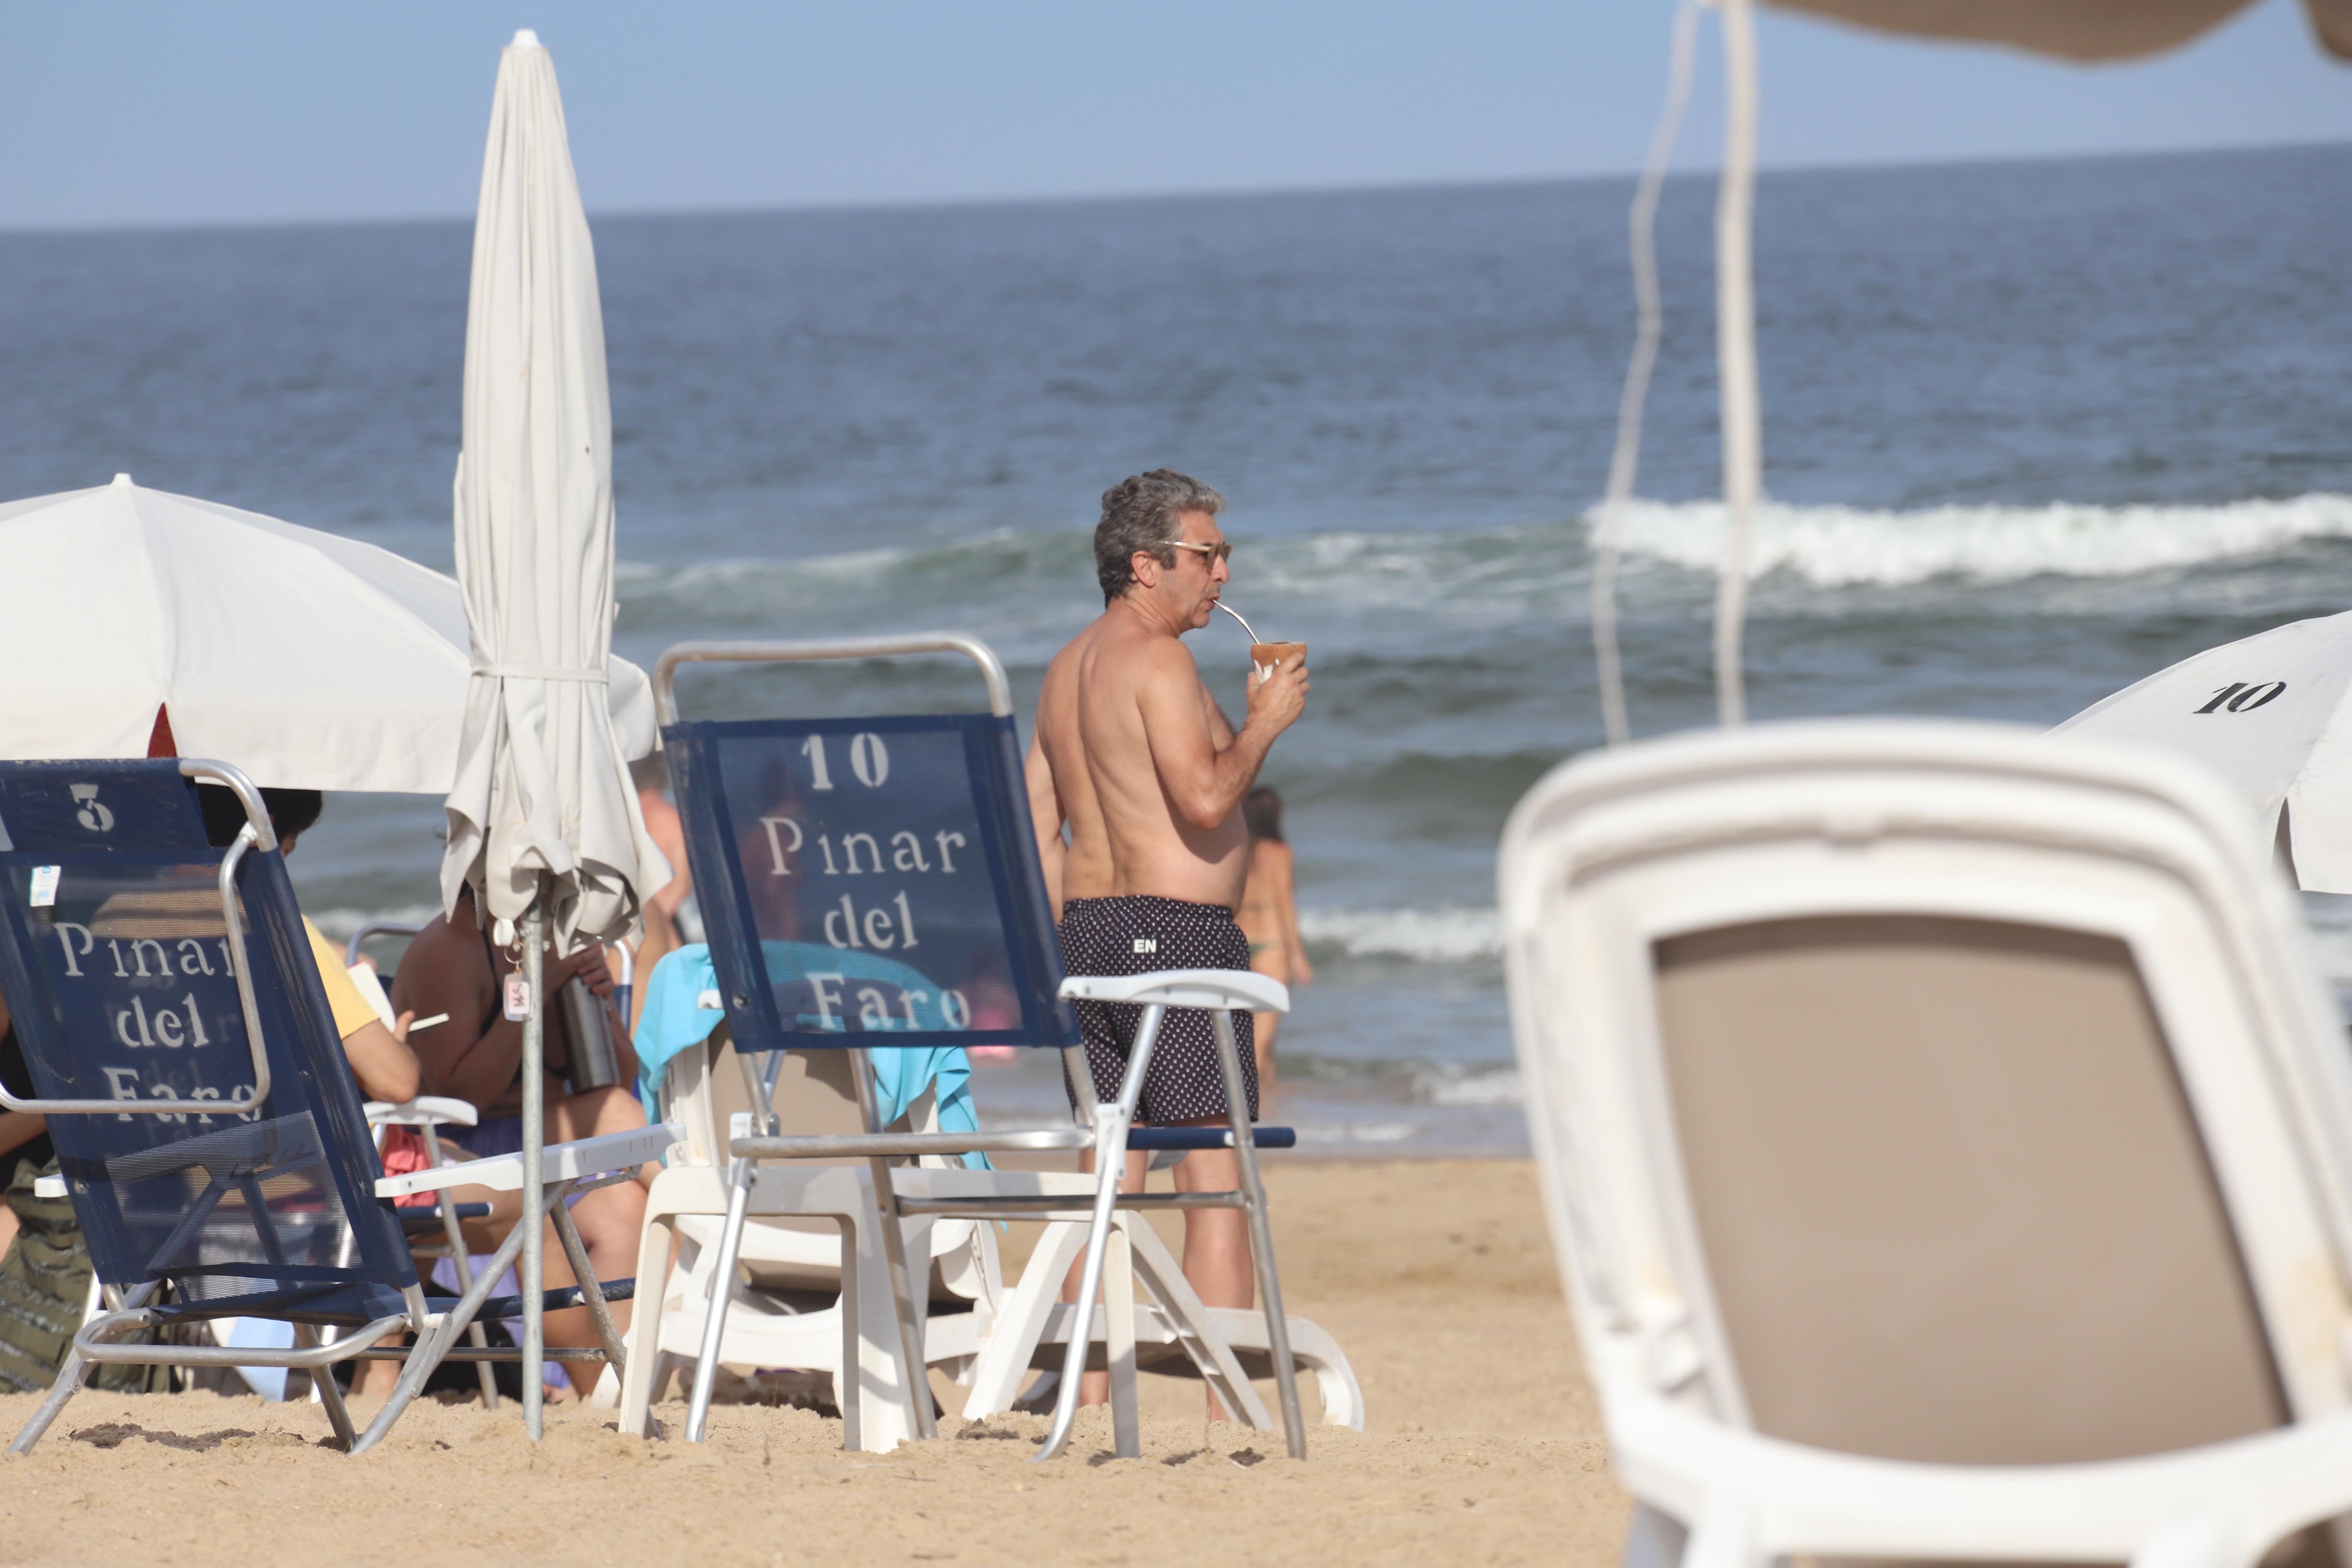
x,y
1483,1444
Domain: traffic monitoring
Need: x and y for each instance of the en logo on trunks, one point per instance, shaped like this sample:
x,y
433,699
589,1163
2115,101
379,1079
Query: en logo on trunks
x,y
1147,944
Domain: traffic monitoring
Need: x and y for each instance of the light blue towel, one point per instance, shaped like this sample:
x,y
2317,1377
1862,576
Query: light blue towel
x,y
682,1006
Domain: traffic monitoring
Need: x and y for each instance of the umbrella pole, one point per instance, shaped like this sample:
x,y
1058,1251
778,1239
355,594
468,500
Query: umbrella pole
x,y
534,1094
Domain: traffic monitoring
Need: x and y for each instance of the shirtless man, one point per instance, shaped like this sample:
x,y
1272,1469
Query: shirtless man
x,y
1133,753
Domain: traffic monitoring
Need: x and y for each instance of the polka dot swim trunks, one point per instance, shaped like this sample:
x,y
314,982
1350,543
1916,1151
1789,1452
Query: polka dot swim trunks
x,y
1136,934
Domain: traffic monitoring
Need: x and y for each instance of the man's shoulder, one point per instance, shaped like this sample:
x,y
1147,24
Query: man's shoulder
x,y
1115,646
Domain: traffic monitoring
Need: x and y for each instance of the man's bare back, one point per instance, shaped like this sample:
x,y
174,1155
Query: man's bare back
x,y
1133,754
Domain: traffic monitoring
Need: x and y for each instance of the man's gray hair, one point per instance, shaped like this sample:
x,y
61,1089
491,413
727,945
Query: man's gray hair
x,y
1143,514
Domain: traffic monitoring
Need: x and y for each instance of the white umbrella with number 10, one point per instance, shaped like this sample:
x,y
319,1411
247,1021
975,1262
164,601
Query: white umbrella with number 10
x,y
2269,714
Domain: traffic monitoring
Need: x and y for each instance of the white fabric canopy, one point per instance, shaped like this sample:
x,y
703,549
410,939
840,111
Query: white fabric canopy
x,y
2269,715
308,660
541,786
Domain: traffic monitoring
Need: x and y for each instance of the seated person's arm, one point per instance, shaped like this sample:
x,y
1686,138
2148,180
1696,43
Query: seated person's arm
x,y
381,1061
446,970
17,1128
379,1057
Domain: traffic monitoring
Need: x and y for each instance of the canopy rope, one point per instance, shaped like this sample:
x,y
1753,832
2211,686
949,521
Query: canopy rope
x,y
1649,320
1735,347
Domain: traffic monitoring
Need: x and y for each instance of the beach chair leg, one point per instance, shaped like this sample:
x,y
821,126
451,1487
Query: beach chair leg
x,y
905,1310
69,1378
1335,1380
329,1395
722,1279
642,1378
1020,1319
848,1377
875,1377
916,1380
1724,1536
1653,1540
434,1343
1196,1329
1111,1122
458,1260
592,1289
1260,1234
69,1383
1118,1341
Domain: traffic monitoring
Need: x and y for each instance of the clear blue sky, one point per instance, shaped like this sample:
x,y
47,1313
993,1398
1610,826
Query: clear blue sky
x,y
244,111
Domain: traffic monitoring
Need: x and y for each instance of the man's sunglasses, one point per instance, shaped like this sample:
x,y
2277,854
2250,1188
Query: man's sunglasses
x,y
1222,551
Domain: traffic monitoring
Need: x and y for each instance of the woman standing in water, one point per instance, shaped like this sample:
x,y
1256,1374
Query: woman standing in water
x,y
1269,915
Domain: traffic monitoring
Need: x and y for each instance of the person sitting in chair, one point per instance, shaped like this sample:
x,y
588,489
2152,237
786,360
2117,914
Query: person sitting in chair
x,y
475,1054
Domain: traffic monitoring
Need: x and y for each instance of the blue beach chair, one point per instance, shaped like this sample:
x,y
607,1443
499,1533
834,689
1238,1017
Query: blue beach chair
x,y
208,1129
874,883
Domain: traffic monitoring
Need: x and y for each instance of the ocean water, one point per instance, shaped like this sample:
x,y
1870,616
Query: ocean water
x,y
2031,431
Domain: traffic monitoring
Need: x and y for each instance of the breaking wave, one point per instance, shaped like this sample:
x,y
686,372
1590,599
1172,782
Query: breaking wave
x,y
1032,587
1425,936
1839,547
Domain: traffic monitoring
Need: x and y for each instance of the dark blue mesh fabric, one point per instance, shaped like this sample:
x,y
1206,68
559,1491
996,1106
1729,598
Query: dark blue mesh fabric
x,y
119,982
871,881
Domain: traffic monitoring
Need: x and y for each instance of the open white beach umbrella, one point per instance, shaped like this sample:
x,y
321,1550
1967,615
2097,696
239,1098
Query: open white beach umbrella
x,y
308,660
2073,29
542,784
2269,713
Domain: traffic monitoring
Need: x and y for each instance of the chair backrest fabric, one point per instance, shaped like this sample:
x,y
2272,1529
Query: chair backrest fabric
x,y
114,959
1953,1201
1932,1092
870,881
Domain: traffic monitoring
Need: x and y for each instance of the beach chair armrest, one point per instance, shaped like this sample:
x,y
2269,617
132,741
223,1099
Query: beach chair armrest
x,y
2221,1506
1228,988
864,1145
1151,1140
498,1308
559,1162
424,1110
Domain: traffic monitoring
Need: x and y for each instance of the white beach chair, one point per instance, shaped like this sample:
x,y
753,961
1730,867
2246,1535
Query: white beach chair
x,y
1947,1137
779,1314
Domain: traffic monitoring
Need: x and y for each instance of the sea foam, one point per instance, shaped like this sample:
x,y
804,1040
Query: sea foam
x,y
1425,936
1839,546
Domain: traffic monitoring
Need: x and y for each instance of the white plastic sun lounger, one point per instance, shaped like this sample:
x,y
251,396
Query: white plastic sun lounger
x,y
1947,1136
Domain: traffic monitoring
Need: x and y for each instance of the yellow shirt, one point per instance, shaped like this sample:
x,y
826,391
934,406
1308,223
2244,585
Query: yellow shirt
x,y
343,998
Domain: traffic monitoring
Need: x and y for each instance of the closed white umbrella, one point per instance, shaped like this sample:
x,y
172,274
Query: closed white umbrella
x,y
2269,713
310,661
543,818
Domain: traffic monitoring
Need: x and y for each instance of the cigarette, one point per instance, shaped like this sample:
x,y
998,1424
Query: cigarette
x,y
428,1023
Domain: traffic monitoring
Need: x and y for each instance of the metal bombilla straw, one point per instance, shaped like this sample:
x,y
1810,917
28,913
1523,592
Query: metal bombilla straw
x,y
1268,674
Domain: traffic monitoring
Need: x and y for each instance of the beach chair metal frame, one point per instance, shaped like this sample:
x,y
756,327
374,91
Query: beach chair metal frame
x,y
887,1196
301,1172
1610,860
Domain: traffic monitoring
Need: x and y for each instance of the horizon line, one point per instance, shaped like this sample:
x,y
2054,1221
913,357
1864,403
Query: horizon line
x,y
1707,172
